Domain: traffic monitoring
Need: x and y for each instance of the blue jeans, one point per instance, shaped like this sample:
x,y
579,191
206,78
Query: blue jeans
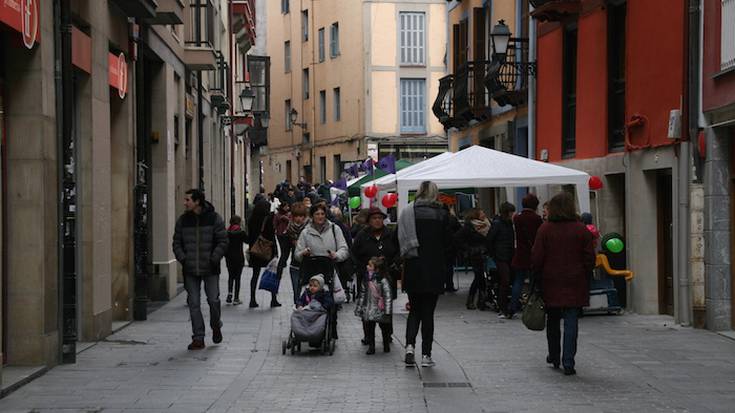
x,y
519,278
553,334
192,284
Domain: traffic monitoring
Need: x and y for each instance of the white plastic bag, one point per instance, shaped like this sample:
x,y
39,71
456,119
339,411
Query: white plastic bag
x,y
340,296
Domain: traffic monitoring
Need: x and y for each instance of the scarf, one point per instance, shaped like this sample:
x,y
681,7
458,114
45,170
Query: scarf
x,y
407,238
234,228
294,230
320,228
483,227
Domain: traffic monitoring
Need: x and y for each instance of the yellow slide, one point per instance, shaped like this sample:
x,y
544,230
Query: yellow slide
x,y
601,261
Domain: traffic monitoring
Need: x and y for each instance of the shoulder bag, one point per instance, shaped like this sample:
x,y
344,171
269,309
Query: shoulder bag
x,y
263,247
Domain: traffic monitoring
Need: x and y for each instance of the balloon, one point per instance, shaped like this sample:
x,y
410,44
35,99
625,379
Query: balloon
x,y
615,245
371,191
355,202
595,183
389,200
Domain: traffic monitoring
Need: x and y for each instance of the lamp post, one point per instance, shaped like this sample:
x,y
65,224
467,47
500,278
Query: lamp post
x,y
500,36
294,115
247,97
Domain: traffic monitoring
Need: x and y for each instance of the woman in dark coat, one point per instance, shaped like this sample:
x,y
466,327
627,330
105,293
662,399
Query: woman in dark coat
x,y
564,256
377,240
235,258
424,238
502,244
472,240
260,224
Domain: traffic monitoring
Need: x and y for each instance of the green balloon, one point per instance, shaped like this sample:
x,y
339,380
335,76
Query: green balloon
x,y
355,202
615,245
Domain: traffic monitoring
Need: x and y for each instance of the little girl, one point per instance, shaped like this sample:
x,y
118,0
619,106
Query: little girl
x,y
374,304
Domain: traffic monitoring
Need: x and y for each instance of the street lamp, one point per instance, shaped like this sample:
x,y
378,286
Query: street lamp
x,y
501,37
247,97
264,120
294,115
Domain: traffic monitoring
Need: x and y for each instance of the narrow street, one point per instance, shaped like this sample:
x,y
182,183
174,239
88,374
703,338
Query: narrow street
x,y
625,363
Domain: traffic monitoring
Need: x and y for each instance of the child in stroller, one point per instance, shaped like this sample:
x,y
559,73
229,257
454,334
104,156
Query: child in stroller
x,y
312,318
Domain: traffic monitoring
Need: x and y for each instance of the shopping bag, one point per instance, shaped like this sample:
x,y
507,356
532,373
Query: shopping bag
x,y
534,314
269,281
339,294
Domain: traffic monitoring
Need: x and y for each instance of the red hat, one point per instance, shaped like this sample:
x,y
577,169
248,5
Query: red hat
x,y
376,211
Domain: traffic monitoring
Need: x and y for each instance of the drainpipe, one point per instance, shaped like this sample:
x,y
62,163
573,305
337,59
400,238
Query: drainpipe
x,y
66,180
200,110
532,46
684,314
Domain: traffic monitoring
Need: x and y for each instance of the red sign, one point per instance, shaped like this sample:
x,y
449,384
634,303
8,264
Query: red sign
x,y
117,73
23,16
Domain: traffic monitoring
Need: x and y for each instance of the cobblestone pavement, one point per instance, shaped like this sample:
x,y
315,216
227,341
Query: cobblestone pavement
x,y
625,363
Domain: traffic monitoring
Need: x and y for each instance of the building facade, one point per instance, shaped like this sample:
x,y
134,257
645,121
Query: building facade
x,y
348,79
718,106
612,78
109,111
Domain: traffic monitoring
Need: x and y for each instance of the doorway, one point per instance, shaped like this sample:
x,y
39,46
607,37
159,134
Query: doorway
x,y
665,243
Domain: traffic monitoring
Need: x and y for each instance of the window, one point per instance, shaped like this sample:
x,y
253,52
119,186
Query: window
x,y
569,109
322,169
337,166
459,43
306,138
479,33
727,35
337,105
259,69
321,45
616,77
305,25
322,106
305,79
412,38
287,56
334,40
287,108
412,106
285,6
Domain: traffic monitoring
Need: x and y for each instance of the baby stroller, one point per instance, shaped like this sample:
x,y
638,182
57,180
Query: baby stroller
x,y
314,325
492,285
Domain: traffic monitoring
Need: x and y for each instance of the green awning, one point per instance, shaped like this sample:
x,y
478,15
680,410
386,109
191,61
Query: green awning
x,y
354,189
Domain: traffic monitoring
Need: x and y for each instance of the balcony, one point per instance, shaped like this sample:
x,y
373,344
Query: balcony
x,y
168,12
555,10
137,8
464,98
218,90
243,24
199,53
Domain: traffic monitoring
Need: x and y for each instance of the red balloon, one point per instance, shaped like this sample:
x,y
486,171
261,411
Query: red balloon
x,y
389,200
371,191
595,183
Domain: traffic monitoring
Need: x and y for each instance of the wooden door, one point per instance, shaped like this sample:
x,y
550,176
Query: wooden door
x,y
665,244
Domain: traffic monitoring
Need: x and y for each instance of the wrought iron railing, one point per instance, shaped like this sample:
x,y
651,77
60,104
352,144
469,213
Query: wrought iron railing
x,y
201,24
462,96
508,83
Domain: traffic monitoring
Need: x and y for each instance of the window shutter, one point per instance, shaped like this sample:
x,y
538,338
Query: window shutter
x,y
727,35
412,105
412,36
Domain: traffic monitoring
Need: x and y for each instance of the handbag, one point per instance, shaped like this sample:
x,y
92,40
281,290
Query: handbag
x,y
269,281
339,295
534,314
263,247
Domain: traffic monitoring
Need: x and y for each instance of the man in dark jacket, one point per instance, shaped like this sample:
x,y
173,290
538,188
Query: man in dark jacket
x,y
424,238
501,241
526,225
200,241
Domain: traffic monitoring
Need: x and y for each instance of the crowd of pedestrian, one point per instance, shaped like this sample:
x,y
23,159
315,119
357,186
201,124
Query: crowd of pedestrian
x,y
300,228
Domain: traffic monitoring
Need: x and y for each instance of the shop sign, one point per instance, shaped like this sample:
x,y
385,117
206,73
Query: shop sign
x,y
23,16
117,76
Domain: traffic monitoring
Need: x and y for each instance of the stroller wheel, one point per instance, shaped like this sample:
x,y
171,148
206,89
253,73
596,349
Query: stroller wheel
x,y
284,345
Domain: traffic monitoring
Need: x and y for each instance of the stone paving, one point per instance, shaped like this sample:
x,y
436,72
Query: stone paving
x,y
625,363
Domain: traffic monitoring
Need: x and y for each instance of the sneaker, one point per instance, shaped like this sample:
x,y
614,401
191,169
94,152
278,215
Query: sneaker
x,y
237,301
502,316
426,361
569,371
229,299
217,335
253,304
410,360
196,345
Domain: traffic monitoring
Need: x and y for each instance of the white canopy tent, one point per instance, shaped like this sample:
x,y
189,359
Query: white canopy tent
x,y
481,167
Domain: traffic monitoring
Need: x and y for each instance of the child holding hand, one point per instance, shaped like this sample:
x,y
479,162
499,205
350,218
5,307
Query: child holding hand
x,y
374,305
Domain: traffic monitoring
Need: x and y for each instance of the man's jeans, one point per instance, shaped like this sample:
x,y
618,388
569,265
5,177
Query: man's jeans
x,y
519,278
553,334
192,284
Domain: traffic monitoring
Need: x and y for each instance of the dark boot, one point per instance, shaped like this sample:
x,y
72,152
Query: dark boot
x,y
481,298
386,345
371,349
471,301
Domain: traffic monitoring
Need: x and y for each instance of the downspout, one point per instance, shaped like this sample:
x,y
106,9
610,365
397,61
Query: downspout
x,y
532,46
63,82
229,76
684,314
200,110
